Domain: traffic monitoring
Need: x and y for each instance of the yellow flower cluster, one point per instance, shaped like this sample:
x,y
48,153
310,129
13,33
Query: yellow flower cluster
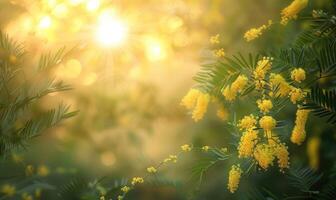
x,y
186,147
278,82
219,53
234,178
137,180
267,123
282,154
299,132
264,155
214,39
205,148
247,143
125,189
231,91
198,101
151,169
248,122
223,114
263,66
172,158
264,105
43,170
297,94
254,33
291,11
298,75
8,190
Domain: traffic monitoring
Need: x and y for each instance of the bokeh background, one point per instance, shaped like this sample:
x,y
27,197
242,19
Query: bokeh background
x,y
128,88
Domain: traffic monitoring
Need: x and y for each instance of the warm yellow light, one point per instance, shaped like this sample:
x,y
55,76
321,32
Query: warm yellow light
x,y
155,49
92,5
75,2
45,22
70,70
111,31
89,79
107,158
61,10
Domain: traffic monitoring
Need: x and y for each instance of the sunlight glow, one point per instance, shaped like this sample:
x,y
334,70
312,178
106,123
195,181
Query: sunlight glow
x,y
92,5
111,31
155,49
45,22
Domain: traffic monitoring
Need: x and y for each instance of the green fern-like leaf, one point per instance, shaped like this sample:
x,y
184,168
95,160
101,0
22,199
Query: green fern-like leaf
x,y
322,103
303,178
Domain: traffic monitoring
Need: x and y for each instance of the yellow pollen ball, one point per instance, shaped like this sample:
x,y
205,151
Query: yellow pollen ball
x,y
234,178
248,122
151,170
265,105
297,94
264,155
247,143
299,132
186,147
267,123
291,11
298,75
279,84
201,106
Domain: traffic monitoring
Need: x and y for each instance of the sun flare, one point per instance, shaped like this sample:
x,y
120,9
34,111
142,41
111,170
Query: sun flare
x,y
111,30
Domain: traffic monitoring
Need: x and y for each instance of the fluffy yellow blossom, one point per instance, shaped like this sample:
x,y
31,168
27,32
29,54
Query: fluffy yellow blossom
x,y
248,122
223,114
125,189
219,53
198,101
214,39
224,149
186,147
291,11
201,106
282,154
299,132
247,143
230,92
120,197
297,94
263,66
205,148
313,147
151,170
43,170
239,84
264,155
278,82
172,158
298,75
8,190
190,99
254,33
234,178
267,123
137,180
264,105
